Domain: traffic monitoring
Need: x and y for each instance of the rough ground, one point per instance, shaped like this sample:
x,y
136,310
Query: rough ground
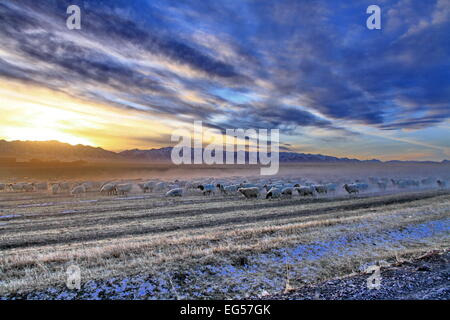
x,y
196,247
426,278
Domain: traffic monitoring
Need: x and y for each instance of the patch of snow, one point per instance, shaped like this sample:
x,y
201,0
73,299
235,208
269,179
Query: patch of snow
x,y
10,216
130,198
47,204
68,211
264,273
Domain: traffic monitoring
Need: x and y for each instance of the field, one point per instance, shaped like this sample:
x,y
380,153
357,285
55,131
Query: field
x,y
145,246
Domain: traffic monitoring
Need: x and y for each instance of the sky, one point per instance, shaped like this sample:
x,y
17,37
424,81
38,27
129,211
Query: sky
x,y
138,70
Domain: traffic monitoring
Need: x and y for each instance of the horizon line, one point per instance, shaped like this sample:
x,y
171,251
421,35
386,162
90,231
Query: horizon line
x,y
284,151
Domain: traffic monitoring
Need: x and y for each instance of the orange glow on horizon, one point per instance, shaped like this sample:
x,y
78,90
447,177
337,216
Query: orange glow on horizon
x,y
32,113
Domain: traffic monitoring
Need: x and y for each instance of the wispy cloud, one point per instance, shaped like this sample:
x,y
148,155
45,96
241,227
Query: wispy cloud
x,y
266,64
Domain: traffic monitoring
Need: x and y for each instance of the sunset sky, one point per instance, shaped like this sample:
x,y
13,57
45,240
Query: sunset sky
x,y
137,70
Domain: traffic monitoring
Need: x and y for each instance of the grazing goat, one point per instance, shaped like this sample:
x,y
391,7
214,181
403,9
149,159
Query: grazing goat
x,y
78,190
64,186
42,186
55,188
207,189
109,188
28,187
355,187
123,188
228,189
273,193
160,186
320,188
287,192
351,188
441,183
249,192
16,186
305,191
88,185
147,186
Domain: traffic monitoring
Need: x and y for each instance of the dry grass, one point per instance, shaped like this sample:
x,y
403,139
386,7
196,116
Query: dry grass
x,y
110,237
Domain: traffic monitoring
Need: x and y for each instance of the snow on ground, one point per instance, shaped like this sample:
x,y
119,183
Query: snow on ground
x,y
68,211
131,198
46,204
258,273
10,216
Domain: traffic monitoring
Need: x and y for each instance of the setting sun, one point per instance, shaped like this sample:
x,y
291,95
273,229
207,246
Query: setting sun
x,y
51,115
43,134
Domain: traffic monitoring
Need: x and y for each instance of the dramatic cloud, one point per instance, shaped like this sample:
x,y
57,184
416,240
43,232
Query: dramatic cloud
x,y
289,64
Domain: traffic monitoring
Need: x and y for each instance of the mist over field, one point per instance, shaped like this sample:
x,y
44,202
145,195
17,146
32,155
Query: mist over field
x,y
313,171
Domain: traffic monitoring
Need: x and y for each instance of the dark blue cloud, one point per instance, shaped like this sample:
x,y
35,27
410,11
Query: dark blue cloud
x,y
294,63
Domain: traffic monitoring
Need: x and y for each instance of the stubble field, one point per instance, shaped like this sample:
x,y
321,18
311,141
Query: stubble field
x,y
145,246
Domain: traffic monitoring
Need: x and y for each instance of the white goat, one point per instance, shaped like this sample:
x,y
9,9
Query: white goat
x,y
55,188
78,190
17,187
147,186
124,188
109,188
249,192
42,186
228,189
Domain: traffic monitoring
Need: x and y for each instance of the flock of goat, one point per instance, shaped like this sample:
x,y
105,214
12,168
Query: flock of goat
x,y
261,188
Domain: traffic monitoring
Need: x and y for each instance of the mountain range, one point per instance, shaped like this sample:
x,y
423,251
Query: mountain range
x,y
55,150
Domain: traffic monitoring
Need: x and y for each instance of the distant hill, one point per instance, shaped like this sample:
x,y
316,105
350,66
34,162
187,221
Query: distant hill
x,y
152,155
54,150
163,154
